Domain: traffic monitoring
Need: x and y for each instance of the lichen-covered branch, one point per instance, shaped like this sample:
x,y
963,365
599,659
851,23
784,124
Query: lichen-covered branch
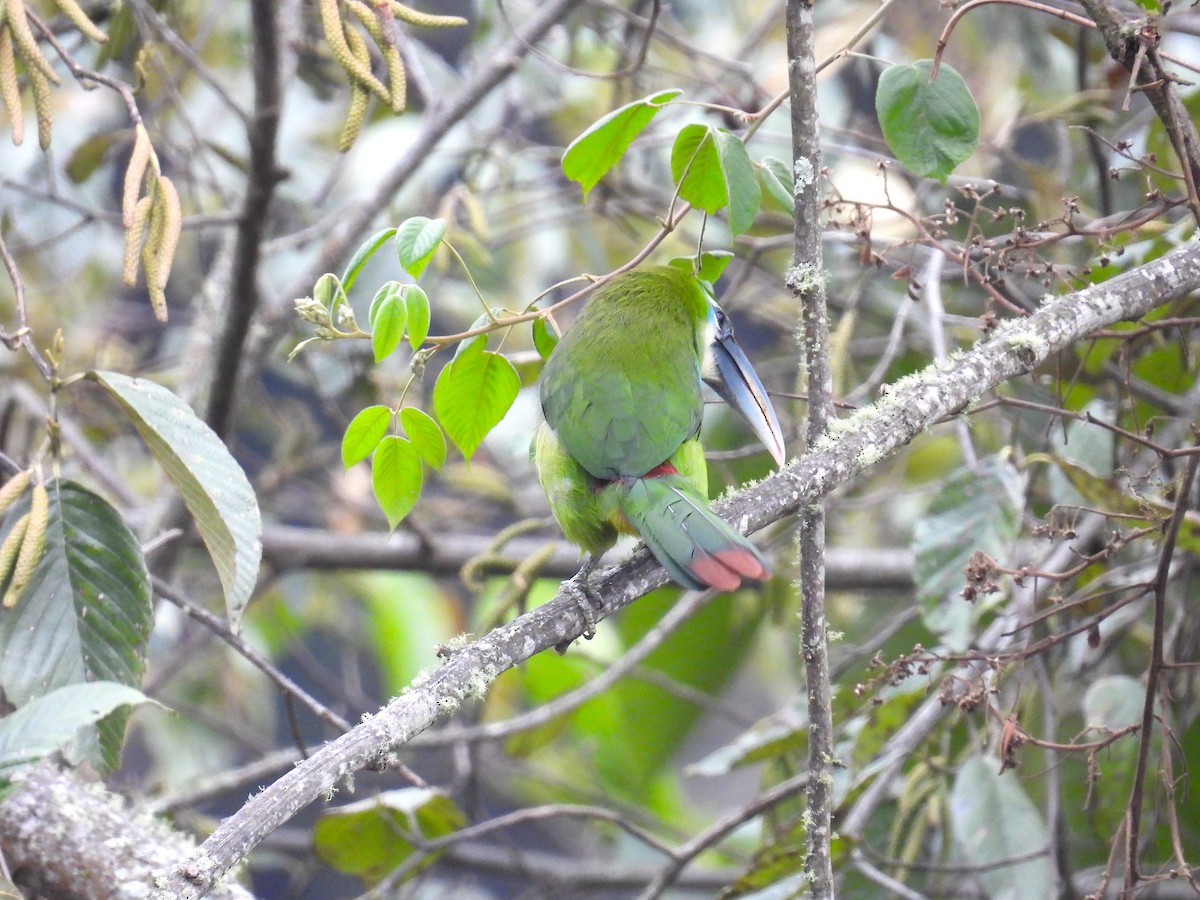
x,y
856,444
71,840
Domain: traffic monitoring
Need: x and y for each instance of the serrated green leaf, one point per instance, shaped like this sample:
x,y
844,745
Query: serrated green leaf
x,y
213,486
417,302
370,839
396,477
416,240
473,393
388,319
931,127
777,181
545,337
696,168
741,181
364,433
87,611
51,722
425,434
993,819
364,252
602,145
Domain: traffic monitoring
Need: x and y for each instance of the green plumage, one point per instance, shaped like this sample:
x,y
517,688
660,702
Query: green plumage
x,y
619,450
622,388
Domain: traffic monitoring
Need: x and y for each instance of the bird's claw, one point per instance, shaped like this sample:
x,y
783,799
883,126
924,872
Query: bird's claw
x,y
587,599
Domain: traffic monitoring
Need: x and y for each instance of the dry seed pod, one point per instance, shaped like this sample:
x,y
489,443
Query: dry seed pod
x,y
359,97
40,88
150,259
27,47
397,77
172,211
10,90
133,240
139,159
339,39
33,544
379,25
10,549
425,20
80,20
13,488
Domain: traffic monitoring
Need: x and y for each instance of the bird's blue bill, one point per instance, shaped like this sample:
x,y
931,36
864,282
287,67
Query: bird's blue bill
x,y
739,386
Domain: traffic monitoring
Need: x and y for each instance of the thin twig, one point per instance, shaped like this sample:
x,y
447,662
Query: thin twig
x,y
1133,813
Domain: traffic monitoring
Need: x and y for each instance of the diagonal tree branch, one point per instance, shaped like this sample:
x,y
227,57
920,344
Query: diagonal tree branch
x,y
856,444
68,839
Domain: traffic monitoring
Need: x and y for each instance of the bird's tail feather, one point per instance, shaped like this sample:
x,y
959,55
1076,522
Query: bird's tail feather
x,y
697,547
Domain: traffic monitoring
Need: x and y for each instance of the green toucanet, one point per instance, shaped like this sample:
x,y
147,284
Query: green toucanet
x,y
619,451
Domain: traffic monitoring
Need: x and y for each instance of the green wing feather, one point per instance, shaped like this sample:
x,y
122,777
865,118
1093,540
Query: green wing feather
x,y
622,388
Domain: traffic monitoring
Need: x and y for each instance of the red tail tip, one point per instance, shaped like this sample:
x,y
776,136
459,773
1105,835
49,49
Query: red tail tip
x,y
725,570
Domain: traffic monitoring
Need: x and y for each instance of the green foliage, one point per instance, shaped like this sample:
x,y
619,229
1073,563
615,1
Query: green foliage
x,y
396,477
364,433
372,838
708,267
472,394
52,722
602,145
416,241
993,819
425,435
776,178
714,171
388,316
364,252
86,613
545,337
213,486
931,126
416,302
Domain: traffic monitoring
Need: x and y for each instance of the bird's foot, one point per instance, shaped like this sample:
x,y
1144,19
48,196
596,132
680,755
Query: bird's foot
x,y
587,598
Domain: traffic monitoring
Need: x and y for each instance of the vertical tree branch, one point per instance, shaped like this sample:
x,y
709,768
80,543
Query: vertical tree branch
x,y
807,281
264,175
1133,814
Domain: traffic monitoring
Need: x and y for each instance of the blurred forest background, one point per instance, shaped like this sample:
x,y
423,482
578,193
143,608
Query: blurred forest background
x,y
1010,595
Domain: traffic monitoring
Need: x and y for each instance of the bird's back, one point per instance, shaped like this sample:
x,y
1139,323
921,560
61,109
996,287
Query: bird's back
x,y
622,388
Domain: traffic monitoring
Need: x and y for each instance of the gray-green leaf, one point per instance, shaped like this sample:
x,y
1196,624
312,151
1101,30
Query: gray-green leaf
x,y
51,722
993,819
213,486
86,613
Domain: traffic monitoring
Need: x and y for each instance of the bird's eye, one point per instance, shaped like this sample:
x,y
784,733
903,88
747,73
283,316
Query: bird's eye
x,y
722,321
